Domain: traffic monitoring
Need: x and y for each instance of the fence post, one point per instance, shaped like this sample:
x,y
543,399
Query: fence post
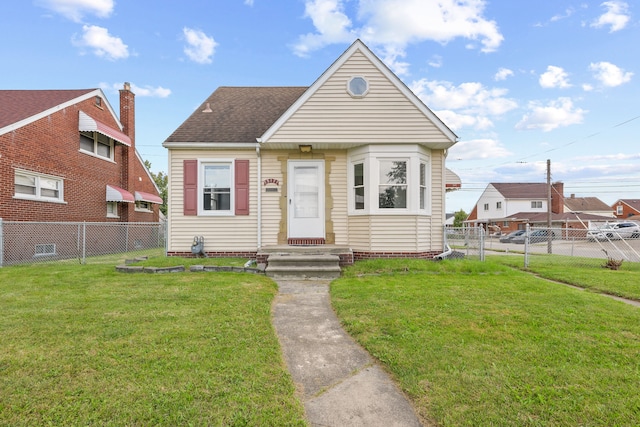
x,y
84,242
526,246
482,240
1,243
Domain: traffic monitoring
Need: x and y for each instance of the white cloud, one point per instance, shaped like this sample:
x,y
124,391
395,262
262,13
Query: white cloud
x,y
456,121
502,74
435,61
567,13
478,149
616,16
248,2
392,25
149,91
558,113
102,43
469,97
554,77
331,23
139,91
200,47
609,74
76,9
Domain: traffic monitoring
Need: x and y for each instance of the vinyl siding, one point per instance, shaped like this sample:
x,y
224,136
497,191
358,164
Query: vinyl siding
x,y
332,116
221,233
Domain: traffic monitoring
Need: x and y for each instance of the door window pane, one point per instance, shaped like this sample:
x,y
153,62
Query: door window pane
x,y
305,197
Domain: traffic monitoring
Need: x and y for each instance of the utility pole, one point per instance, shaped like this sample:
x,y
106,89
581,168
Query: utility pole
x,y
549,211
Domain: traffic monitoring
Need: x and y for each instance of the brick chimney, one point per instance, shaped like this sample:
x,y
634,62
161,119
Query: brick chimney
x,y
128,120
557,197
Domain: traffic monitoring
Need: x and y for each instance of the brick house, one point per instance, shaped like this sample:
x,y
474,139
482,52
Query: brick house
x,y
626,208
65,156
507,207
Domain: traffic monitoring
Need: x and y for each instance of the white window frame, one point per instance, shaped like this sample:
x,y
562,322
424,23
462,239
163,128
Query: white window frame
x,y
536,204
96,136
44,246
143,206
619,210
38,187
371,156
363,162
361,93
486,207
201,166
112,210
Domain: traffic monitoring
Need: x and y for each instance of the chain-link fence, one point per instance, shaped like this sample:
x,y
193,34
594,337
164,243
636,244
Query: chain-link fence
x,y
28,242
605,243
464,242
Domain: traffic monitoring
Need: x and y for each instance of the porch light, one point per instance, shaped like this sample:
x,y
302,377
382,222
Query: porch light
x,y
305,148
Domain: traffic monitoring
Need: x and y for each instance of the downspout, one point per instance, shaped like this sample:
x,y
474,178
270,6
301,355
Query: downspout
x,y
259,195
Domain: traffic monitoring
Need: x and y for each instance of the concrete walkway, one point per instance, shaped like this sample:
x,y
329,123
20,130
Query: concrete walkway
x,y
338,382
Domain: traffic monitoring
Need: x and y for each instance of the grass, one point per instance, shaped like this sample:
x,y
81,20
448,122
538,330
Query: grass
x,y
484,344
85,345
587,273
472,343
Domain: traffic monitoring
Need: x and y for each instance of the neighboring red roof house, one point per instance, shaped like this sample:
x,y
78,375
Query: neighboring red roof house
x,y
65,156
510,206
625,208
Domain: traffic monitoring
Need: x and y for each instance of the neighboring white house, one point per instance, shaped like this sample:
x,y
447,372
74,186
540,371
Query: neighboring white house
x,y
509,206
354,160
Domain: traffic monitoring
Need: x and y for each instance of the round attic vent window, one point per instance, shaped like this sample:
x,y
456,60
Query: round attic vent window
x,y
358,87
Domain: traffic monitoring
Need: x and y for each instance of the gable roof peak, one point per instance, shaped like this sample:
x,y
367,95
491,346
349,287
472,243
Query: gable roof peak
x,y
359,46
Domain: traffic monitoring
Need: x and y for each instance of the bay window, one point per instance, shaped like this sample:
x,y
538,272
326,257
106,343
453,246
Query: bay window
x,y
389,180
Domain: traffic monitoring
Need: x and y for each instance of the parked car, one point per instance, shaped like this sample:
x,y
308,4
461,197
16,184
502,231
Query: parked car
x,y
507,238
535,236
616,230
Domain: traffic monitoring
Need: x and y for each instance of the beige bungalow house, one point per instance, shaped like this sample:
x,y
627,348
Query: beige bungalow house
x,y
354,161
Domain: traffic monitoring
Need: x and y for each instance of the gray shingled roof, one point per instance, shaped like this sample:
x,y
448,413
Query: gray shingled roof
x,y
238,114
581,204
522,190
17,105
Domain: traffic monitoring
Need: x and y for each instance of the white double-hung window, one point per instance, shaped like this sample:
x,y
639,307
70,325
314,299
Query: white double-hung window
x,y
36,186
389,180
216,184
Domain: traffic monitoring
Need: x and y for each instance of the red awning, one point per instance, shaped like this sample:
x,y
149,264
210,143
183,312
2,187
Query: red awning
x,y
88,123
117,194
148,197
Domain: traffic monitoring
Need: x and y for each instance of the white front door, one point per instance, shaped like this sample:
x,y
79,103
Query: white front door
x,y
306,198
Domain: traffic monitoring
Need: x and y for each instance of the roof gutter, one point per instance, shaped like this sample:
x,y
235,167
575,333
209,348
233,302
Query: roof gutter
x,y
209,145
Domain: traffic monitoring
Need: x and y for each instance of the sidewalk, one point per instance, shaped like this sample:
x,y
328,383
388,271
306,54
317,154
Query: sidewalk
x,y
338,382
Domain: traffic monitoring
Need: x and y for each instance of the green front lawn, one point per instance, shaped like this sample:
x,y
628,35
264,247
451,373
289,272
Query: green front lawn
x,y
84,345
471,343
482,344
586,273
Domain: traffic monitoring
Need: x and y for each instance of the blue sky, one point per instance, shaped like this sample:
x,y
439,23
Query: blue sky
x,y
519,82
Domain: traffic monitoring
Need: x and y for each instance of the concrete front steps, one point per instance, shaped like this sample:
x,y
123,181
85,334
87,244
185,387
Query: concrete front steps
x,y
304,262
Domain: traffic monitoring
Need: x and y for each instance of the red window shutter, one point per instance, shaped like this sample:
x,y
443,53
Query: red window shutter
x,y
242,187
190,187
